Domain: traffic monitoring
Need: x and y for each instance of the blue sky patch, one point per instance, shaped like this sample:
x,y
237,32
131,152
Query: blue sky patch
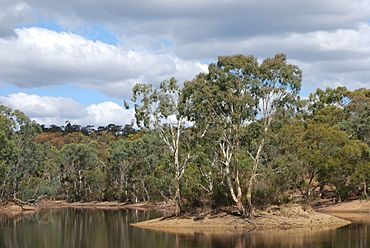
x,y
92,32
98,33
44,24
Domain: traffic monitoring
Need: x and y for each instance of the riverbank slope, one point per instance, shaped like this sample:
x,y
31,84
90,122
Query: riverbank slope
x,y
13,209
355,206
356,211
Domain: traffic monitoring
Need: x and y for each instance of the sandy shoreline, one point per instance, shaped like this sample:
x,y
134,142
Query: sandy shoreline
x,y
12,209
356,211
356,206
282,217
287,217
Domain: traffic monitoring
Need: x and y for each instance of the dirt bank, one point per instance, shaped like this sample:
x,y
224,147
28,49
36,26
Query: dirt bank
x,y
356,211
107,205
356,206
283,217
12,209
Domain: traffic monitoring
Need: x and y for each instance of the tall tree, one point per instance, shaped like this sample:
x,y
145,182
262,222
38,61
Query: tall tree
x,y
275,88
163,109
221,104
23,157
236,92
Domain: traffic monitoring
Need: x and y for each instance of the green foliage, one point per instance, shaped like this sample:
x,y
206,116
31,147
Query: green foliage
x,y
238,130
81,172
137,170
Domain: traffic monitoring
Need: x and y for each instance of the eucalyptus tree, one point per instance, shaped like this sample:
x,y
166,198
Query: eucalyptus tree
x,y
235,93
359,127
8,149
19,147
132,166
349,111
275,88
330,96
358,118
163,110
221,104
328,106
80,174
313,155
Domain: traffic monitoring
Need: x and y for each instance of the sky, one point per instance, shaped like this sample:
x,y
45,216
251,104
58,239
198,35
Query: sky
x,y
77,60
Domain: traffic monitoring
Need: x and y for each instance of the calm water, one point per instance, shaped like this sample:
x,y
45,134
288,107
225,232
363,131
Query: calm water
x,y
77,228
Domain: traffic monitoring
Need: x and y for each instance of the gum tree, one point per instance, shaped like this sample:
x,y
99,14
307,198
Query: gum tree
x,y
221,104
162,109
235,93
275,88
18,150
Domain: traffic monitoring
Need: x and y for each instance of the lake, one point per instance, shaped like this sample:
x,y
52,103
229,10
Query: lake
x,y
77,228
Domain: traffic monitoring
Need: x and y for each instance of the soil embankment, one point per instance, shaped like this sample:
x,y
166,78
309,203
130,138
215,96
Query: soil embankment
x,y
356,206
107,205
12,209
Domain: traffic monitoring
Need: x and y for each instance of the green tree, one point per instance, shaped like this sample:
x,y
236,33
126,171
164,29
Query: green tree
x,y
7,149
221,104
19,151
162,109
358,109
80,173
133,168
236,92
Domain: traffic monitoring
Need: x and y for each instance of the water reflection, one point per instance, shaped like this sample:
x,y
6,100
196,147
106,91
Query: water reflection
x,y
111,228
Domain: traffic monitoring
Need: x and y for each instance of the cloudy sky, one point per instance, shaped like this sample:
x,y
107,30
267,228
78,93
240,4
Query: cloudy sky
x,y
77,60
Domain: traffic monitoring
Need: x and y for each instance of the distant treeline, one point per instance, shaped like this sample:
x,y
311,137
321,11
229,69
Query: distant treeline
x,y
239,135
117,130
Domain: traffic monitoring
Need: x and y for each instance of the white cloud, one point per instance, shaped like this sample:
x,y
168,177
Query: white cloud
x,y
44,106
194,20
327,58
40,57
164,38
57,110
106,113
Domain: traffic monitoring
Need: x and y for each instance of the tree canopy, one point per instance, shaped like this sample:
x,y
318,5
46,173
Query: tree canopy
x,y
238,135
